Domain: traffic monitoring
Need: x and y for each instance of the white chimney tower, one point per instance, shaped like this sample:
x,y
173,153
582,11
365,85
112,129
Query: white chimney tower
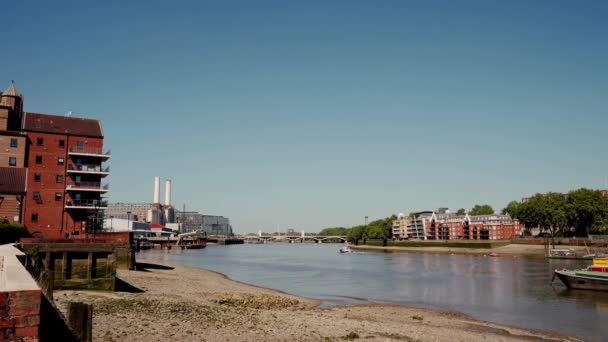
x,y
168,192
156,190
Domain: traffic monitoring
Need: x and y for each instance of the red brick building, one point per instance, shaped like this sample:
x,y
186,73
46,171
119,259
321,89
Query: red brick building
x,y
449,226
65,171
61,158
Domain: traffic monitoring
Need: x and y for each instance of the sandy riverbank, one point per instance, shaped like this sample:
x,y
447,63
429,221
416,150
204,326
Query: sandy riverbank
x,y
190,304
511,250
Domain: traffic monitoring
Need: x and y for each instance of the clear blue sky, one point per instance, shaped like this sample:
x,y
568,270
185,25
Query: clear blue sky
x,y
318,113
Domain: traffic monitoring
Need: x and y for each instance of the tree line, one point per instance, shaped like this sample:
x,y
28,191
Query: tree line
x,y
379,229
579,212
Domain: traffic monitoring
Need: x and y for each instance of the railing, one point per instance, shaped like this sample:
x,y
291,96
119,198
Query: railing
x,y
92,203
89,185
90,150
89,168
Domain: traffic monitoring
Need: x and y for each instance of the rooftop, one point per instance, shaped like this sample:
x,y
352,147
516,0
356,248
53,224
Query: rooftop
x,y
11,90
12,180
46,123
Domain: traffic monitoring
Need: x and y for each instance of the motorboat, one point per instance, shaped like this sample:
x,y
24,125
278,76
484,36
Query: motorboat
x,y
345,249
594,277
493,254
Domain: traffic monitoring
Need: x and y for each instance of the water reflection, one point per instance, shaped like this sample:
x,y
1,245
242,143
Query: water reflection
x,y
507,290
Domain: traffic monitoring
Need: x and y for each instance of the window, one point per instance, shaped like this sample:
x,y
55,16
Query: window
x,y
13,142
12,161
77,180
80,145
36,177
59,178
34,217
60,161
37,196
38,159
61,143
58,196
39,141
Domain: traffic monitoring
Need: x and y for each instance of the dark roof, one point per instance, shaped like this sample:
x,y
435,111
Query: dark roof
x,y
12,180
47,123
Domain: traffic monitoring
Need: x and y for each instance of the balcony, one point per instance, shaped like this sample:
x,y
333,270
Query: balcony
x,y
88,186
96,204
89,169
89,152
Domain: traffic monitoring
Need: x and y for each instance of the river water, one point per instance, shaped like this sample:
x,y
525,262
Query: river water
x,y
507,290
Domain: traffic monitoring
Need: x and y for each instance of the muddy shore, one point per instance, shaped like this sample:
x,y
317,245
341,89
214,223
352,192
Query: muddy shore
x,y
191,304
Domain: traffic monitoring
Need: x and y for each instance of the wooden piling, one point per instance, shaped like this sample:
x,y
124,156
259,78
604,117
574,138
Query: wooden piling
x,y
80,318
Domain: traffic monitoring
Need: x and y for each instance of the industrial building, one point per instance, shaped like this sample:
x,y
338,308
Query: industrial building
x,y
166,215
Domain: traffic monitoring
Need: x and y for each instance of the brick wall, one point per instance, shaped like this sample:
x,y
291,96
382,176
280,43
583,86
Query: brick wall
x,y
20,315
44,216
10,208
7,151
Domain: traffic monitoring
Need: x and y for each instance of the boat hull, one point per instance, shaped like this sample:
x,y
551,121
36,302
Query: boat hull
x,y
573,281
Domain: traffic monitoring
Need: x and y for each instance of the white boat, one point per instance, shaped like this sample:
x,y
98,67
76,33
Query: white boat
x,y
346,249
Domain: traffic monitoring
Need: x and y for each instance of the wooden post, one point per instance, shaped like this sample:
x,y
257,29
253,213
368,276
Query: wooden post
x,y
91,266
80,318
46,283
47,260
64,267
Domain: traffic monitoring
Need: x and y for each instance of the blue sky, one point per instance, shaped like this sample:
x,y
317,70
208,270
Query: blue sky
x,y
317,113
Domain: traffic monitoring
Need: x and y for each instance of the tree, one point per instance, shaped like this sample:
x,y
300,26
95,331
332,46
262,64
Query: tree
x,y
461,212
585,208
511,209
334,231
355,234
481,210
547,211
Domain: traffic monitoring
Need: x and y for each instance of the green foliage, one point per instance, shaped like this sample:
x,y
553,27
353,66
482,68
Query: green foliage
x,y
511,209
334,231
461,212
10,233
379,229
484,209
584,210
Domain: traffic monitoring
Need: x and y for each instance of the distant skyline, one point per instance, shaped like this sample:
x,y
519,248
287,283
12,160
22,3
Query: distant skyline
x,y
318,113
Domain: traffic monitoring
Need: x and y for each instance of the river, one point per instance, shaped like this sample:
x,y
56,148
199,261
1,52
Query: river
x,y
507,290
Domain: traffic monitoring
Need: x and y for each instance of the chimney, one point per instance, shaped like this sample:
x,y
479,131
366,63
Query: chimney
x,y
168,192
156,190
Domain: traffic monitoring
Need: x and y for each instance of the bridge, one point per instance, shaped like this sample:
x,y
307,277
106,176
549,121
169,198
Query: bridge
x,y
292,238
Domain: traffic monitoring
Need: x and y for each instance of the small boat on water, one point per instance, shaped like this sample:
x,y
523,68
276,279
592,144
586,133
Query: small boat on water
x,y
346,249
493,254
594,277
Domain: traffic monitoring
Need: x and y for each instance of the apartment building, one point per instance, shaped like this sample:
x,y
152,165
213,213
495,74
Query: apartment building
x,y
449,226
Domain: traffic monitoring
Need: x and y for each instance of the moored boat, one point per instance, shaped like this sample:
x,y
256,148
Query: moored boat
x,y
594,277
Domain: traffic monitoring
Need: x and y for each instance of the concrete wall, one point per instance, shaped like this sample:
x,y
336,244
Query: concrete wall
x,y
20,298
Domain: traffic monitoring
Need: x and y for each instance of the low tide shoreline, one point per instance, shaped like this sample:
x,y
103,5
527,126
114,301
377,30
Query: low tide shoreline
x,y
193,304
513,250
